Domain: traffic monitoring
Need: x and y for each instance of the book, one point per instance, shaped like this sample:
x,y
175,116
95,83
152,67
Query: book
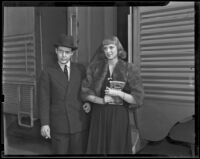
x,y
118,85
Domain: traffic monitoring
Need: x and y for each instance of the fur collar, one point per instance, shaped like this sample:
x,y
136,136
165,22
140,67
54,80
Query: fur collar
x,y
100,70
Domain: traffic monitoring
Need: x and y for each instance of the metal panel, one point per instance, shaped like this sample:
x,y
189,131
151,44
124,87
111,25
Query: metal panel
x,y
163,47
11,94
19,76
25,113
167,52
19,58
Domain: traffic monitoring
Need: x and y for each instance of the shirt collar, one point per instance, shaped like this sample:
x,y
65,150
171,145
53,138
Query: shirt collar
x,y
69,64
62,65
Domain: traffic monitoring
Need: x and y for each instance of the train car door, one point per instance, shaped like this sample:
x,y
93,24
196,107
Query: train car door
x,y
162,41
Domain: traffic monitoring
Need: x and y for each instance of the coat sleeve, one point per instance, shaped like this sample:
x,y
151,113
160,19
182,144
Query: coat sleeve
x,y
135,84
44,98
87,87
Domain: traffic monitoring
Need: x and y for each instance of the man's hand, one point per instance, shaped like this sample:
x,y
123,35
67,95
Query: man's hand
x,y
45,131
86,107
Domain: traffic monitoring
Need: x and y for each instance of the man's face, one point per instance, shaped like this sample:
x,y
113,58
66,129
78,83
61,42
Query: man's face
x,y
64,54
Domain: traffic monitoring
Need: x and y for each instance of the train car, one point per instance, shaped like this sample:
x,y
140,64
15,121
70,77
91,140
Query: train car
x,y
158,39
24,46
163,47
28,47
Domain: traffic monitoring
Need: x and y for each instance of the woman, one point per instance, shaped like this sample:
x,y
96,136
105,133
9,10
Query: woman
x,y
109,127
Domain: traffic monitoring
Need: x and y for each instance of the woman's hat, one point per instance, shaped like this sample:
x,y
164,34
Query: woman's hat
x,y
66,41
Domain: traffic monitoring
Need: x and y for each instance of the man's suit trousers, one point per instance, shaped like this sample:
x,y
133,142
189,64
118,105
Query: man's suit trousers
x,y
69,143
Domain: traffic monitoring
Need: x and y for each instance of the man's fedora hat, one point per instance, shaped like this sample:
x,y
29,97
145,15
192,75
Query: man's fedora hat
x,y
66,41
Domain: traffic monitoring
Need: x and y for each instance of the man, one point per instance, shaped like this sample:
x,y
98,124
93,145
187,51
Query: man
x,y
62,116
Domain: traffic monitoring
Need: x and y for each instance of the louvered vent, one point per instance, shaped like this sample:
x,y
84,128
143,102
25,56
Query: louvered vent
x,y
19,76
167,51
18,58
26,98
25,114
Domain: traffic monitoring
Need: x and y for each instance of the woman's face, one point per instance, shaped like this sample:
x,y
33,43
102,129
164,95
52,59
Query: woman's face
x,y
110,51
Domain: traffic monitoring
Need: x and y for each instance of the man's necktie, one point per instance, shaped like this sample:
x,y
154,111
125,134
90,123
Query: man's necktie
x,y
66,71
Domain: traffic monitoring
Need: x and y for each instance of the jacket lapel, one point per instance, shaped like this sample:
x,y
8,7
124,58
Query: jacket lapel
x,y
60,76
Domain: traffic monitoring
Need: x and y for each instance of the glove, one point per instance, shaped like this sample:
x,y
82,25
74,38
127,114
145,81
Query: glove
x,y
108,99
112,92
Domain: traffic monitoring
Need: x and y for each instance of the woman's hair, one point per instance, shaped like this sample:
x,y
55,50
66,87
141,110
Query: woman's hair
x,y
99,54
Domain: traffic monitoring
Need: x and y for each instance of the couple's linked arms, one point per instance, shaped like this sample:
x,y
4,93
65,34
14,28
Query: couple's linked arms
x,y
109,92
124,96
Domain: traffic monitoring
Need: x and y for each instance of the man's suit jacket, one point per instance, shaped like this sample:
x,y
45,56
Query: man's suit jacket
x,y
60,104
